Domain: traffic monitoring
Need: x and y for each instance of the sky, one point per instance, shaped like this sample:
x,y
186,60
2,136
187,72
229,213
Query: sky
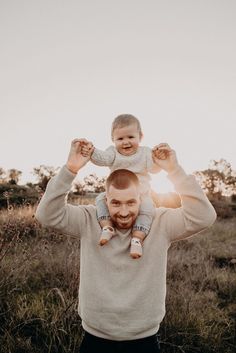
x,y
68,68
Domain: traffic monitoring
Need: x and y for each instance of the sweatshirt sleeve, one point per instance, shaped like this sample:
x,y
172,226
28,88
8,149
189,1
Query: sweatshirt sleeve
x,y
54,211
196,212
103,158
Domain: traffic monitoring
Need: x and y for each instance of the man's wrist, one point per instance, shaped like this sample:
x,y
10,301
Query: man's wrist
x,y
173,169
177,175
71,169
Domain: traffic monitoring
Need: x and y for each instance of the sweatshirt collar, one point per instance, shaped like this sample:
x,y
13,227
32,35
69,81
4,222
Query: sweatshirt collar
x,y
123,233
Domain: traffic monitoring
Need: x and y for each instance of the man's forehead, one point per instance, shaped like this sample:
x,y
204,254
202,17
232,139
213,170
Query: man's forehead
x,y
132,192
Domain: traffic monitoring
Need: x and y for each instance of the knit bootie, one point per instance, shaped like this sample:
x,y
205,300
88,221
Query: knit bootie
x,y
136,249
107,233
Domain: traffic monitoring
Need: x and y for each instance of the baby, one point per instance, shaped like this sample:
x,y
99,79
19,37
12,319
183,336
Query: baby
x,y
126,153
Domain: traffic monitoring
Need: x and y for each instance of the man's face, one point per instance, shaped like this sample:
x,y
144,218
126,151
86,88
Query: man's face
x,y
123,205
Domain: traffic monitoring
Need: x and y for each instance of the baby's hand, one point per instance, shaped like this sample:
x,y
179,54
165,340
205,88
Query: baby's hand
x,y
87,148
159,154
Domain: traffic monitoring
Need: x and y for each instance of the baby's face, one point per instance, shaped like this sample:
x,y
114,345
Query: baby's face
x,y
127,139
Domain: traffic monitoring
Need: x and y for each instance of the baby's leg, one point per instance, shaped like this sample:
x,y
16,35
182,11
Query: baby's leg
x,y
141,227
104,219
105,223
108,231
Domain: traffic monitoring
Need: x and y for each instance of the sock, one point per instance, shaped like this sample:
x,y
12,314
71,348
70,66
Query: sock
x,y
136,249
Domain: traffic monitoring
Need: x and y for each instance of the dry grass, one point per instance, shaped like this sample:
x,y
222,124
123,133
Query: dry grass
x,y
39,275
201,305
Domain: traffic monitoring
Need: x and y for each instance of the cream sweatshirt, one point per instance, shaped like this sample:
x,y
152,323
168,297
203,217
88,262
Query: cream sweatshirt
x,y
121,298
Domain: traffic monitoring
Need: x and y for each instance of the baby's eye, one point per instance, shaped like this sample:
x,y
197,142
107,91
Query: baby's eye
x,y
120,138
131,137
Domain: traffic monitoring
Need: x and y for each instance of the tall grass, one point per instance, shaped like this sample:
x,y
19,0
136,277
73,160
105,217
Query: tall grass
x,y
39,276
201,300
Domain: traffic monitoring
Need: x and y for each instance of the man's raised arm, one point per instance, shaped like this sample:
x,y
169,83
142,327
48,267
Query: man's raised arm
x,y
196,212
53,210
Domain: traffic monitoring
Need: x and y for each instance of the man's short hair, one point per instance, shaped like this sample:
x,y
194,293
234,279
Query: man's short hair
x,y
123,120
122,179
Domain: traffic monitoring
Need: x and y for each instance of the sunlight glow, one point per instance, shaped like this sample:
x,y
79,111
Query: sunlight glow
x,y
160,183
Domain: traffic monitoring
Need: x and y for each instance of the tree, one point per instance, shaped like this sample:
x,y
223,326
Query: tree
x,y
44,174
78,187
100,185
218,180
13,176
94,184
2,175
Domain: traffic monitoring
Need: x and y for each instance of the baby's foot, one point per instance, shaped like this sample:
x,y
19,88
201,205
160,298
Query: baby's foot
x,y
136,249
107,233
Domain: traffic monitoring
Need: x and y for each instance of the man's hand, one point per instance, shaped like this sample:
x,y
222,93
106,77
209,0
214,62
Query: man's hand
x,y
165,157
76,159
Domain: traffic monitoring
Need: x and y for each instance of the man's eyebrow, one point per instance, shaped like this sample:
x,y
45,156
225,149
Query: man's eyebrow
x,y
118,201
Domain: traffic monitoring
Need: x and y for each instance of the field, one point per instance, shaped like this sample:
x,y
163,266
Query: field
x,y
39,276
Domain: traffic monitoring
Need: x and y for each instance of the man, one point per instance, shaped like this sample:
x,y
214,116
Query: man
x,y
121,300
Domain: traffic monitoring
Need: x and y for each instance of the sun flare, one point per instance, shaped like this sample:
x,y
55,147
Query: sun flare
x,y
161,184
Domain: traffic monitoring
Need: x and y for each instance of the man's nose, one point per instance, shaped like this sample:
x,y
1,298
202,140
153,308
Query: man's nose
x,y
124,211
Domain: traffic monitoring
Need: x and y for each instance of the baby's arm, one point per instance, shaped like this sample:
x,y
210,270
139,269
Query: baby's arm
x,y
151,164
98,157
155,168
103,158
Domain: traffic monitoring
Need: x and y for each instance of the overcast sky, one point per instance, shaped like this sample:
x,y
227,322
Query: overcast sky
x,y
68,68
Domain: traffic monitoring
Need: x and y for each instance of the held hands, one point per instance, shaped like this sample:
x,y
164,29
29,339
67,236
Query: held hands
x,y
87,148
79,154
165,157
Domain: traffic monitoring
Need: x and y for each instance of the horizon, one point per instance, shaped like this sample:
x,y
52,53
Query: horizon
x,y
164,186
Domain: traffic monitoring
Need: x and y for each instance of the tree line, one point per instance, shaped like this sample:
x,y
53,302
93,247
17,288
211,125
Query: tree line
x,y
218,181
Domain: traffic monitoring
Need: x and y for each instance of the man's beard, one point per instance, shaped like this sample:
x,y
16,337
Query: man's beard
x,y
124,223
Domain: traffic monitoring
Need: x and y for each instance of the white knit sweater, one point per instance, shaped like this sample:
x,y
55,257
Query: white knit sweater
x,y
121,298
140,163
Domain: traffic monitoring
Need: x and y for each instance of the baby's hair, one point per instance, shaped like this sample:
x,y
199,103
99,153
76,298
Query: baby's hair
x,y
122,179
125,120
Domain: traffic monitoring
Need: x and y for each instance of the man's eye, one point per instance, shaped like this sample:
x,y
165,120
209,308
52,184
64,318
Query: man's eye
x,y
131,203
